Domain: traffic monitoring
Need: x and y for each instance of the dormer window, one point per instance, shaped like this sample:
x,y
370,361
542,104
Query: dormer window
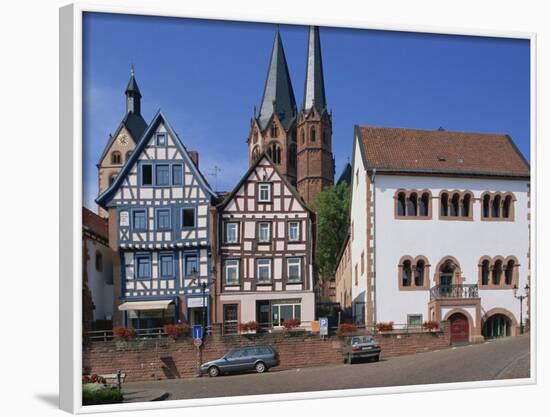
x,y
116,158
264,193
161,139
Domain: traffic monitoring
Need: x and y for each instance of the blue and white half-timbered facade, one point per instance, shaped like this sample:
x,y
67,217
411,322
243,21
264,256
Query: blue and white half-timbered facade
x,y
159,215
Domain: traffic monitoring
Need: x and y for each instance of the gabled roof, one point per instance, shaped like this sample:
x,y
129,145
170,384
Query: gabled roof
x,y
441,152
95,224
134,123
345,176
314,89
263,156
278,97
104,197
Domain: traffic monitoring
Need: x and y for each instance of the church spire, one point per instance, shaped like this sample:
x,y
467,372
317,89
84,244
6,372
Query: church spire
x,y
133,95
278,97
314,90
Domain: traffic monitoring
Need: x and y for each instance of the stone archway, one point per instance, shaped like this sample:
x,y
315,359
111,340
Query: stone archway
x,y
461,325
499,329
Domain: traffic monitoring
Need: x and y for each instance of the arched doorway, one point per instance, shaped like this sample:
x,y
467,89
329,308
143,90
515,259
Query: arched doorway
x,y
460,331
447,276
498,325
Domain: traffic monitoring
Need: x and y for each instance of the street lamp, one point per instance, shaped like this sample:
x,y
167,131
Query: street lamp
x,y
520,298
195,275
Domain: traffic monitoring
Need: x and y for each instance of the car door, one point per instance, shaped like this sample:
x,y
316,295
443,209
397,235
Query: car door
x,y
249,359
232,360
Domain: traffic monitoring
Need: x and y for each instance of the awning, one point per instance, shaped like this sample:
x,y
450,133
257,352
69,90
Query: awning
x,y
145,305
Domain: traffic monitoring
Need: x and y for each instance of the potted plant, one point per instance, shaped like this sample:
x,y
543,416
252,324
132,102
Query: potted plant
x,y
177,330
248,328
431,325
291,324
384,326
345,328
124,332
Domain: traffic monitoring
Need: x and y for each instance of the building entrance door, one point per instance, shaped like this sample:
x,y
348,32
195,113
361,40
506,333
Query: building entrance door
x,y
460,332
230,318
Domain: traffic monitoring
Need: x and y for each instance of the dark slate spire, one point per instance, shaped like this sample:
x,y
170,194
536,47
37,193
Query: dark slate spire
x,y
314,90
278,94
133,95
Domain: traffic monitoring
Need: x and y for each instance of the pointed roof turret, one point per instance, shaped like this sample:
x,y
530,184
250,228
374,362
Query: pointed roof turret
x,y
314,90
278,95
132,87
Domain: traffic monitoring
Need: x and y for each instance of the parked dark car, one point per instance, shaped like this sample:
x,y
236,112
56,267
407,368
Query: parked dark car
x,y
249,358
361,347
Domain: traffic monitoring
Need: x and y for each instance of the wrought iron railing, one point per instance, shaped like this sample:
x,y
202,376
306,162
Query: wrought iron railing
x,y
454,291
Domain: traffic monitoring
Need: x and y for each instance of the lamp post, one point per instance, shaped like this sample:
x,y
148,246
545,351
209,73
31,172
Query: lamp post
x,y
203,287
521,297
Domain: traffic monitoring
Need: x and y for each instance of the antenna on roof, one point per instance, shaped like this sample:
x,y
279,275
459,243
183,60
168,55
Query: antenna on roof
x,y
214,173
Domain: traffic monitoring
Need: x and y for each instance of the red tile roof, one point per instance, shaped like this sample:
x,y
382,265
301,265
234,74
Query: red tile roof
x,y
440,151
95,224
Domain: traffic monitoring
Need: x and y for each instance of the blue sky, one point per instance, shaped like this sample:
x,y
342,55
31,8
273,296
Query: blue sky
x,y
208,75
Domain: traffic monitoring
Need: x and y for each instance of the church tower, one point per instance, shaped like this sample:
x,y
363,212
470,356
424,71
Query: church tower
x,y
122,143
315,163
273,130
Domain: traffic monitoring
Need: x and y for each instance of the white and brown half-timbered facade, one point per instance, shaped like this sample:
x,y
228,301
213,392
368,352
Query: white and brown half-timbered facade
x,y
159,208
265,256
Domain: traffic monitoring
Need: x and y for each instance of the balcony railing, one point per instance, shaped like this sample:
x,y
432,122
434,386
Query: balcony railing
x,y
453,291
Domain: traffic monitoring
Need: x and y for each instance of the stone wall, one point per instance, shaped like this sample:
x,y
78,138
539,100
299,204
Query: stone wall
x,y
164,358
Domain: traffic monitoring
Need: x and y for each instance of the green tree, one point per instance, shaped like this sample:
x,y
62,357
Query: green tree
x,y
332,207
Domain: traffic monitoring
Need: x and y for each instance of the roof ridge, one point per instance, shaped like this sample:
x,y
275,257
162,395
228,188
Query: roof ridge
x,y
465,132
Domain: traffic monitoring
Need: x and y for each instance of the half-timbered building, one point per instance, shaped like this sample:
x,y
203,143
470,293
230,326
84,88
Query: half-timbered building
x,y
159,227
265,240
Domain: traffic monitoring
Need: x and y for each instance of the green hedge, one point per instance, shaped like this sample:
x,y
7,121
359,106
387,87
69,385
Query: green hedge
x,y
93,394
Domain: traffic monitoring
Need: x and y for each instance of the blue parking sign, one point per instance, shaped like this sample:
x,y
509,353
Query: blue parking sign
x,y
323,324
197,331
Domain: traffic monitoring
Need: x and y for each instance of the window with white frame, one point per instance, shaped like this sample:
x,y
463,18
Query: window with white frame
x,y
293,231
264,232
231,232
264,193
294,269
263,267
414,320
231,269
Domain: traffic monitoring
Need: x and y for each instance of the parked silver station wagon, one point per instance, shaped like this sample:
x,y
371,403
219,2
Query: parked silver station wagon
x,y
248,358
361,347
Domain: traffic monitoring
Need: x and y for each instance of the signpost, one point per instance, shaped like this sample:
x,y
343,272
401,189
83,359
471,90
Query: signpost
x,y
323,324
197,342
197,331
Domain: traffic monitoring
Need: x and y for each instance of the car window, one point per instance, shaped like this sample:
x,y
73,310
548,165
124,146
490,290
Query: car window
x,y
356,340
263,351
234,354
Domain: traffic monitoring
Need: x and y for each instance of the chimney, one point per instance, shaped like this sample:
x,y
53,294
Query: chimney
x,y
194,157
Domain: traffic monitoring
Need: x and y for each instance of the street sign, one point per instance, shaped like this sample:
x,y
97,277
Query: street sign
x,y
197,342
197,331
323,324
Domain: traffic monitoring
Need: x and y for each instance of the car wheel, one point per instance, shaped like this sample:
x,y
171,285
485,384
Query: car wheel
x,y
376,358
213,371
260,367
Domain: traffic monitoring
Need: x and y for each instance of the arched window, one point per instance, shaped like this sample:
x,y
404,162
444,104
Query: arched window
x,y
401,204
424,204
465,207
497,272
313,133
407,273
292,156
509,273
495,207
454,204
116,159
274,152
128,154
486,205
506,206
412,205
447,272
274,130
485,272
303,136
419,273
255,153
112,179
255,138
444,204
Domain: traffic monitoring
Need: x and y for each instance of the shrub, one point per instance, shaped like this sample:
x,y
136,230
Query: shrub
x,y
176,330
250,326
291,323
124,333
385,327
96,393
346,328
431,325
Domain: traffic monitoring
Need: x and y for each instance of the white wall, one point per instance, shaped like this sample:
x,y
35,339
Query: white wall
x,y
467,241
358,239
102,293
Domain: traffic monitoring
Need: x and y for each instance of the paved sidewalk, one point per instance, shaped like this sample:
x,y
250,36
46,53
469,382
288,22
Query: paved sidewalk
x,y
507,358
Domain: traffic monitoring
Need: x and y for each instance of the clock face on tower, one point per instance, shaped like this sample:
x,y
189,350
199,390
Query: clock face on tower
x,y
123,140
